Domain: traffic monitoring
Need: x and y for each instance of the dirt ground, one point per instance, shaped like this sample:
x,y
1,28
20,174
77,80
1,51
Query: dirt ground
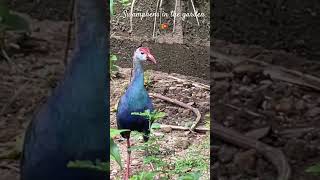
x,y
292,26
25,83
277,106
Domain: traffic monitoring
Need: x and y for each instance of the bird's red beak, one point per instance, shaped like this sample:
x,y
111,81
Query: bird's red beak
x,y
151,58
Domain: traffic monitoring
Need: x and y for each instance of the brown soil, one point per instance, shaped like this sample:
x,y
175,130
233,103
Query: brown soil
x,y
292,26
25,83
291,111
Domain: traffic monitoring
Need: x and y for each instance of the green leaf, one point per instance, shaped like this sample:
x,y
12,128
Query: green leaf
x,y
116,132
315,169
9,21
115,153
111,7
15,22
143,176
155,126
159,115
191,176
98,165
113,58
4,10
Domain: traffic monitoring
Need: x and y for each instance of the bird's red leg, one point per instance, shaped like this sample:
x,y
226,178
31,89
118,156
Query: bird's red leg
x,y
128,159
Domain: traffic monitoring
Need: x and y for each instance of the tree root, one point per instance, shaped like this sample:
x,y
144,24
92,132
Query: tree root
x,y
195,110
181,128
274,155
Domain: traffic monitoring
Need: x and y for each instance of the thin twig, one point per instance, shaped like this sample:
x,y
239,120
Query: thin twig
x,y
181,128
245,110
131,16
6,57
66,52
160,11
195,12
274,71
11,167
199,85
155,20
195,110
174,16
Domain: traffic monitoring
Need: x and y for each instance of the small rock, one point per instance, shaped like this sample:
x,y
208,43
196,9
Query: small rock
x,y
285,105
185,112
300,105
135,162
166,129
258,133
182,143
246,80
158,134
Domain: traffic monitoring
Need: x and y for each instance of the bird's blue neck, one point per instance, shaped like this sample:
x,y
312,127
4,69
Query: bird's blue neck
x,y
138,74
84,88
91,26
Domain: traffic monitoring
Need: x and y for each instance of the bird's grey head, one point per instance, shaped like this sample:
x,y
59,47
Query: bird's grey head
x,y
143,54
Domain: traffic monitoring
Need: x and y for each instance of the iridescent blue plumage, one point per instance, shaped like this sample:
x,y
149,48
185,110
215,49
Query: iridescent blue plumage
x,y
72,125
135,99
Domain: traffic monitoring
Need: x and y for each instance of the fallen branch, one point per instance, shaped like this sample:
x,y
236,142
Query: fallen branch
x,y
181,128
274,155
199,85
275,72
245,110
195,110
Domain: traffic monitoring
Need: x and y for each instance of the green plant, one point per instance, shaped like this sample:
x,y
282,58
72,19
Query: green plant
x,y
315,169
113,68
114,149
98,165
125,2
148,82
152,116
143,176
111,7
190,176
10,22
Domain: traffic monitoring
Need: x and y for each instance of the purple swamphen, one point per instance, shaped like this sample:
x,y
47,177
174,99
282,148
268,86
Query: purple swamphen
x,y
135,99
72,125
